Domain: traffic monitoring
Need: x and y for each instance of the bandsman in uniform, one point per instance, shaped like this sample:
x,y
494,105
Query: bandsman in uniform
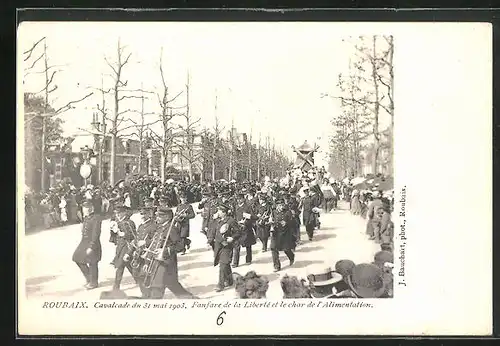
x,y
293,205
125,237
245,218
88,253
167,243
263,223
184,213
227,233
309,203
209,214
282,234
149,202
145,233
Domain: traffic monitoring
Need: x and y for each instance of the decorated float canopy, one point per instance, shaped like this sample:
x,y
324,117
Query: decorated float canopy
x,y
305,156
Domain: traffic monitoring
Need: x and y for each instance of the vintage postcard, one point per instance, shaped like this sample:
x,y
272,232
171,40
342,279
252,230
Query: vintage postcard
x,y
254,178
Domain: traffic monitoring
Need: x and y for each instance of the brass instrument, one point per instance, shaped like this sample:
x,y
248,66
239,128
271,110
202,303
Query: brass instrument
x,y
265,219
153,254
137,254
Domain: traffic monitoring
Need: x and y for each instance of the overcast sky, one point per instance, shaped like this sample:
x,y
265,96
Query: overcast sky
x,y
268,76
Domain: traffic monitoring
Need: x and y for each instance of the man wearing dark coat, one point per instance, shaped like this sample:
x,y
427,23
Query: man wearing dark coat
x,y
126,234
244,216
209,224
372,206
294,206
167,273
309,202
227,233
263,224
88,253
282,234
185,213
145,233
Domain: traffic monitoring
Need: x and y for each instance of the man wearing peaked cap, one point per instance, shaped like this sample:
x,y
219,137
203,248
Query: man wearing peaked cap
x,y
227,233
282,234
149,202
184,212
125,230
88,253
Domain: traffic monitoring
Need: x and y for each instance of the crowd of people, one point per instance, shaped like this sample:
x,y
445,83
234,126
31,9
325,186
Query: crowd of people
x,y
235,215
62,203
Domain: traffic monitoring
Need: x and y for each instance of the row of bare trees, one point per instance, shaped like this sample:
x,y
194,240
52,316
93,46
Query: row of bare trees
x,y
201,149
366,95
36,61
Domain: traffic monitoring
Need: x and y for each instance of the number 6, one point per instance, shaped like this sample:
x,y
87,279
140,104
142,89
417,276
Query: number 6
x,y
220,319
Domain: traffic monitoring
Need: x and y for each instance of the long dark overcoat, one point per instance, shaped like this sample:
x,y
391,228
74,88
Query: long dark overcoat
x,y
189,214
223,250
308,203
262,228
283,236
247,237
91,233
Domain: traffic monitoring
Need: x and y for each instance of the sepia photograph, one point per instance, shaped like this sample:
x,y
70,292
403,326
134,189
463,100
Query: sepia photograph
x,y
165,170
190,166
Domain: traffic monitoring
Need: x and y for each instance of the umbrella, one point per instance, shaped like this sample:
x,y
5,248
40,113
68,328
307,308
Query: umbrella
x,y
362,186
119,182
357,180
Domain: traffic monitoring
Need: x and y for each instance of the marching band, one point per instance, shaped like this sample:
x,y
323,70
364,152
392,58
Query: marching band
x,y
234,216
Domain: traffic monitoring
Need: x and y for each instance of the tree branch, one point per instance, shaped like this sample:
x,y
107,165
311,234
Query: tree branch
x,y
68,105
110,65
30,51
49,82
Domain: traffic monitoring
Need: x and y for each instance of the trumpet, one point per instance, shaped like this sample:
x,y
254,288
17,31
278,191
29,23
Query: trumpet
x,y
153,255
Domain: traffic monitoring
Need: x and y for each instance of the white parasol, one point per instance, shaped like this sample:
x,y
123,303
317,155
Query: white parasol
x,y
357,180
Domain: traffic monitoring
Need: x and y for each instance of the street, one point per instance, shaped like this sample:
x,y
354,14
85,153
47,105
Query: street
x,y
51,274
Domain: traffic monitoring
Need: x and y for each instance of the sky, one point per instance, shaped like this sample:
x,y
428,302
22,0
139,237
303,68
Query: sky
x,y
268,77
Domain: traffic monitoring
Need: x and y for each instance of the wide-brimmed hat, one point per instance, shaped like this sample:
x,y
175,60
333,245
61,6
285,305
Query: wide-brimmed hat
x,y
344,267
366,281
323,276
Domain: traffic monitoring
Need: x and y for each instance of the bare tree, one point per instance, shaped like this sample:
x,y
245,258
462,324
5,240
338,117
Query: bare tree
x,y
49,72
165,140
190,150
362,99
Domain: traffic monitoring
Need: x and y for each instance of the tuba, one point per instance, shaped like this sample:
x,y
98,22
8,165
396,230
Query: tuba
x,y
153,254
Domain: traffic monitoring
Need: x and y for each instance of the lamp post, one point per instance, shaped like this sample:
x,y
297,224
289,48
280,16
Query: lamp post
x,y
85,168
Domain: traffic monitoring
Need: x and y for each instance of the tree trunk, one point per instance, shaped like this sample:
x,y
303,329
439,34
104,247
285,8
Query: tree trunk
x,y
376,134
391,104
44,122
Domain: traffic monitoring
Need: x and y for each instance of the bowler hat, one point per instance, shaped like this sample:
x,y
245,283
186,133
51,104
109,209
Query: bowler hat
x,y
366,281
